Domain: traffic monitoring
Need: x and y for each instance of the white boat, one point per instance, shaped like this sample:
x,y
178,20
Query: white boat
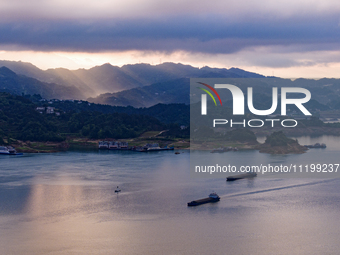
x,y
8,150
113,146
117,145
103,145
123,145
153,147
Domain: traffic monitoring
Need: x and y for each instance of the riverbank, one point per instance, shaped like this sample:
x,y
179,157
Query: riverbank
x,y
275,143
288,147
84,143
49,147
39,147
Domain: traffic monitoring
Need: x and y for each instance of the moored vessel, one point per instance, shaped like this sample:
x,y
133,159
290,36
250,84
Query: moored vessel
x,y
113,145
103,145
8,150
317,145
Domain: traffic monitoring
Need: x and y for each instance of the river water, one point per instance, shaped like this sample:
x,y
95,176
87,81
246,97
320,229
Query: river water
x,y
64,203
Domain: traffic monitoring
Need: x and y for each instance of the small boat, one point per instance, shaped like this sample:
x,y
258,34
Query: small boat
x,y
8,150
213,198
117,190
317,145
177,152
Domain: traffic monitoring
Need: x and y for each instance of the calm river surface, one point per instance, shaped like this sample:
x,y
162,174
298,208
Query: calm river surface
x,y
64,203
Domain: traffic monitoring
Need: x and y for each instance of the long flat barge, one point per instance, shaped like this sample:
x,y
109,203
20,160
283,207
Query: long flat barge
x,y
213,198
241,176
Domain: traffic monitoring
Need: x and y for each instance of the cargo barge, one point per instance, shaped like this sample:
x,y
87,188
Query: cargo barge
x,y
241,176
213,198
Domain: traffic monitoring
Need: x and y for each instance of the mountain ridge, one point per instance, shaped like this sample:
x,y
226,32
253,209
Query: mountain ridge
x,y
107,78
144,85
21,84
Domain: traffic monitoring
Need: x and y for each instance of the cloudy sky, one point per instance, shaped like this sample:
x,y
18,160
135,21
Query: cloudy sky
x,y
290,38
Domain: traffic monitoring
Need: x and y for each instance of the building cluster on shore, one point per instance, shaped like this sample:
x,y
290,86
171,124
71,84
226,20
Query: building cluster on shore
x,y
113,145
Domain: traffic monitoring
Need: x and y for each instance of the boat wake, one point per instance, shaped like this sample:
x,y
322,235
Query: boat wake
x,y
277,188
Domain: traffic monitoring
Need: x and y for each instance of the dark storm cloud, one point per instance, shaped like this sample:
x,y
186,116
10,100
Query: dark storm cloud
x,y
193,34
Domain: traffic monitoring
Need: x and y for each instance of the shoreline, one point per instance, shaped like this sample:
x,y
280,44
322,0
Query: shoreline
x,y
177,143
48,147
84,143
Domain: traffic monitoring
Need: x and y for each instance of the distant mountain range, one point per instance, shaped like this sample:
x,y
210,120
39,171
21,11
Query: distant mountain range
x,y
20,84
85,83
144,85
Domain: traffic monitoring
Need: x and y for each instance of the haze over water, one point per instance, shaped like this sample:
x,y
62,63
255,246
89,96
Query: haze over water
x,y
64,203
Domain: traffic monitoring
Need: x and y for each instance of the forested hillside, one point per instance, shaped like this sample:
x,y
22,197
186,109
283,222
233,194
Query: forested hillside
x,y
19,119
